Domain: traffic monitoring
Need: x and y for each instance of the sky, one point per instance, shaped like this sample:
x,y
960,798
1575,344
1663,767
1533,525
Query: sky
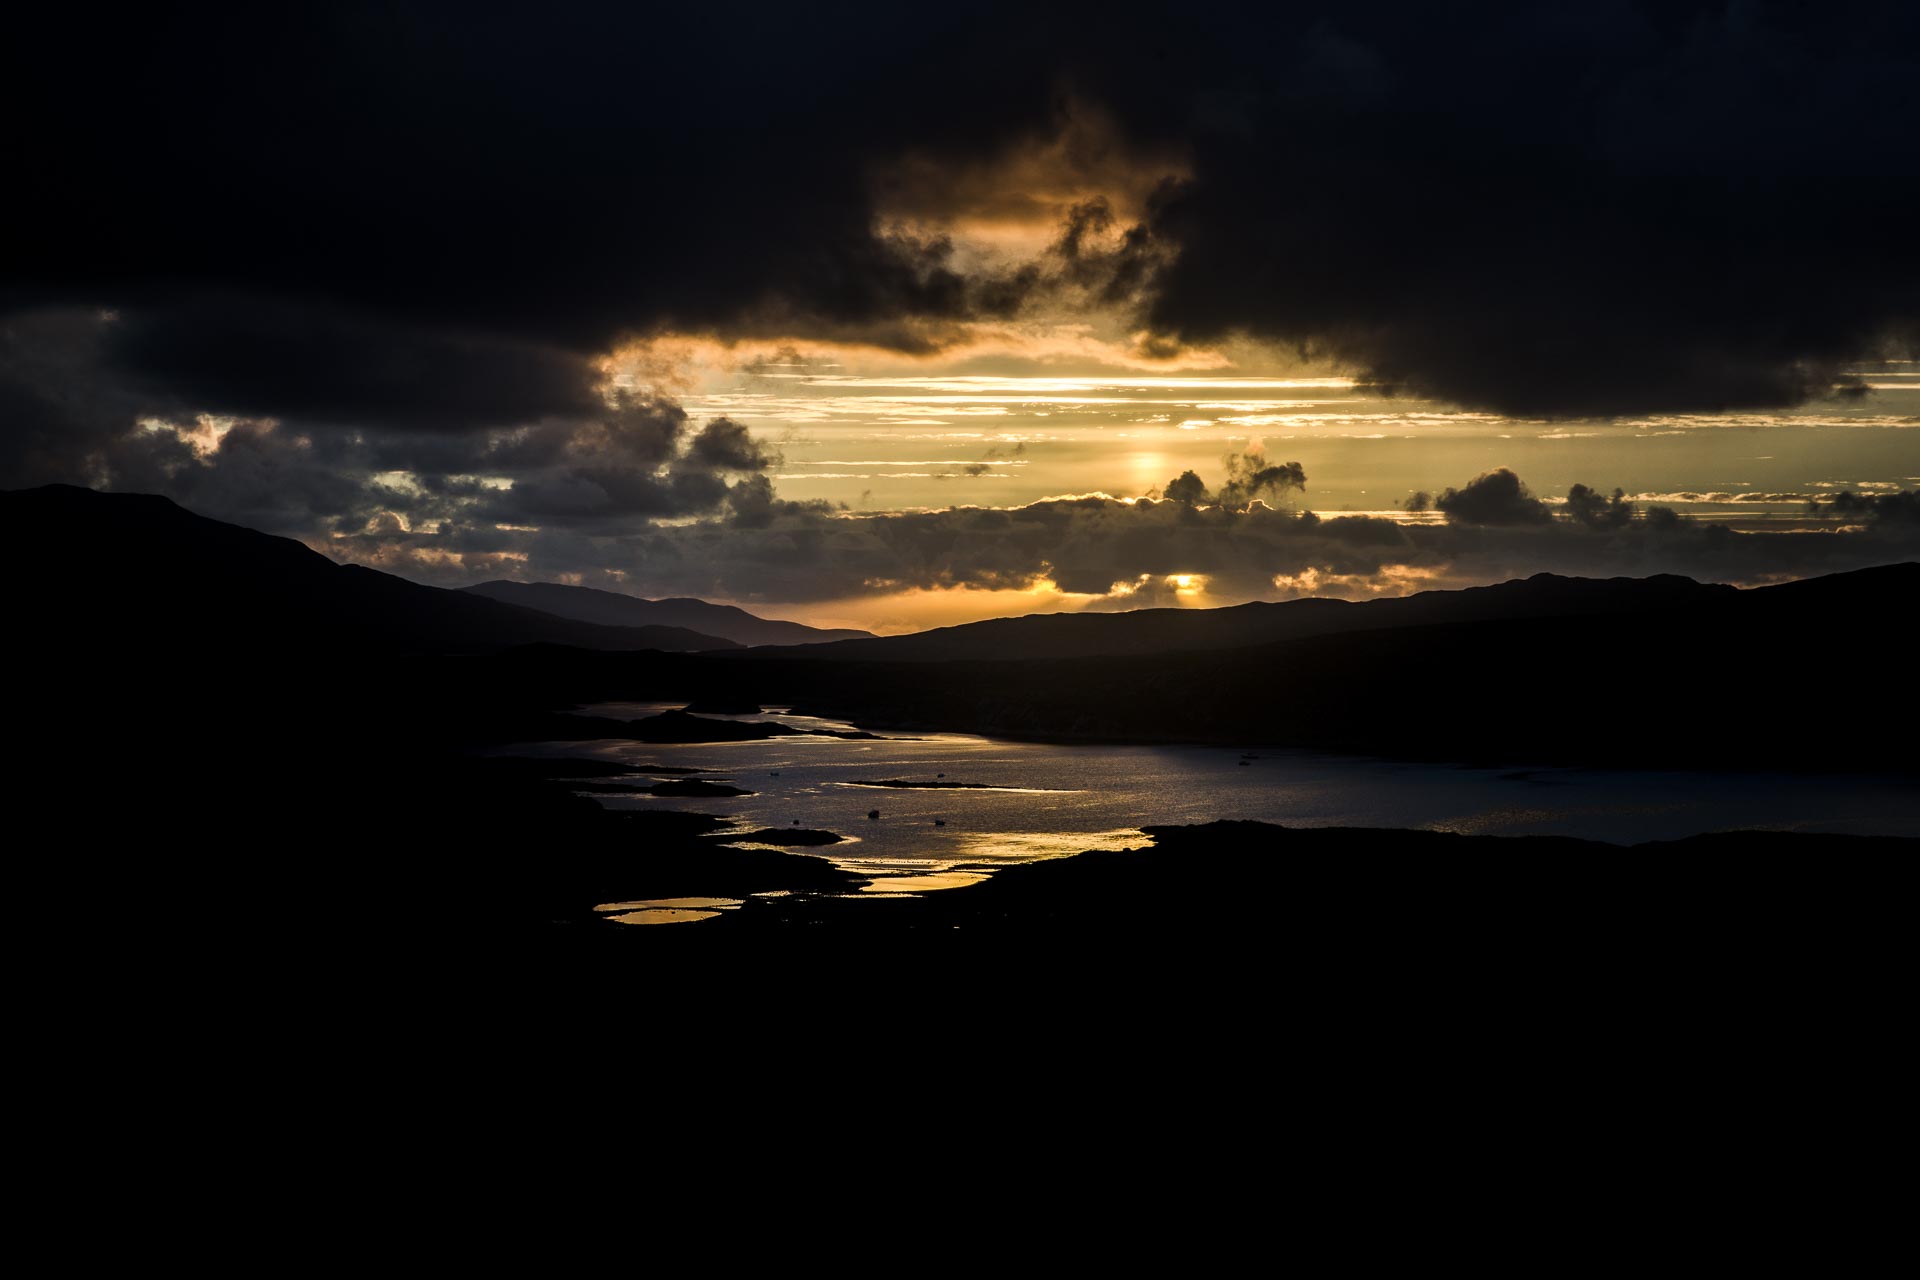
x,y
898,319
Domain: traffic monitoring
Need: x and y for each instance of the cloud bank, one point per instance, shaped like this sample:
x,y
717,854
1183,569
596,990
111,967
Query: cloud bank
x,y
1129,554
427,216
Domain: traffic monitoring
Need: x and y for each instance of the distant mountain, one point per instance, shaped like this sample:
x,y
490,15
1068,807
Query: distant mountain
x,y
613,609
138,576
1808,675
1092,635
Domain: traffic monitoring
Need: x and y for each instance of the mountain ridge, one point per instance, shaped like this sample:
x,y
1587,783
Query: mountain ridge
x,y
616,608
107,574
1086,635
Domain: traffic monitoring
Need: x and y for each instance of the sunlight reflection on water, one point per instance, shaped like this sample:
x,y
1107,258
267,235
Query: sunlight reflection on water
x,y
1045,801
666,910
900,886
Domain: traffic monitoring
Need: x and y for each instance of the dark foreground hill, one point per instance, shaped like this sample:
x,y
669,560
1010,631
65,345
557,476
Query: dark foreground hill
x,y
613,609
229,751
1085,635
138,576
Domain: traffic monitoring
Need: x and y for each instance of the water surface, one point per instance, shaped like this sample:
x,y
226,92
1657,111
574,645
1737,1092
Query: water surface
x,y
1045,800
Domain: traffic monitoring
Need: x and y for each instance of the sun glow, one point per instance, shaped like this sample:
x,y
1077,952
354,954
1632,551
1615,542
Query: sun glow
x,y
918,608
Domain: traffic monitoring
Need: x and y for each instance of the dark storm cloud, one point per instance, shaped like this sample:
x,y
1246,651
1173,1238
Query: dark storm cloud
x,y
425,215
1581,208
725,444
604,493
54,409
315,363
1111,274
560,173
626,463
751,504
629,458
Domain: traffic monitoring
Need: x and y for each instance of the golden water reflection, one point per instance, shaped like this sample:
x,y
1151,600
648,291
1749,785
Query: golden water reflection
x,y
1036,846
981,854
908,886
666,910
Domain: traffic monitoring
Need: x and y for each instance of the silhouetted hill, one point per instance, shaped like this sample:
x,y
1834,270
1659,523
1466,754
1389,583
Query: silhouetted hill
x,y
613,609
1805,675
1084,635
136,575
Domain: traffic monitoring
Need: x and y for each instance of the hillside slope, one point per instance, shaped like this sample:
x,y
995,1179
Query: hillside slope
x,y
137,575
611,608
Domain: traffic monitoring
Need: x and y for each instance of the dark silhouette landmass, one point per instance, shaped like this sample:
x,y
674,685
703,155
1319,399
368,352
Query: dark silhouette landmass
x,y
800,837
1255,885
1144,631
108,566
572,767
1779,677
1659,672
696,787
613,609
902,784
225,745
682,727
1706,684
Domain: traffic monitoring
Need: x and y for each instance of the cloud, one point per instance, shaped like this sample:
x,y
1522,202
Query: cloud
x,y
1146,591
1897,508
1495,497
725,445
594,458
322,364
632,494
1596,512
1188,489
1250,478
1597,207
380,317
1125,553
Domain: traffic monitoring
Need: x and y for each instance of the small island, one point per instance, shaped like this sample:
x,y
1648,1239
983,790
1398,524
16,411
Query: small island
x,y
723,707
800,837
904,784
683,727
694,787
